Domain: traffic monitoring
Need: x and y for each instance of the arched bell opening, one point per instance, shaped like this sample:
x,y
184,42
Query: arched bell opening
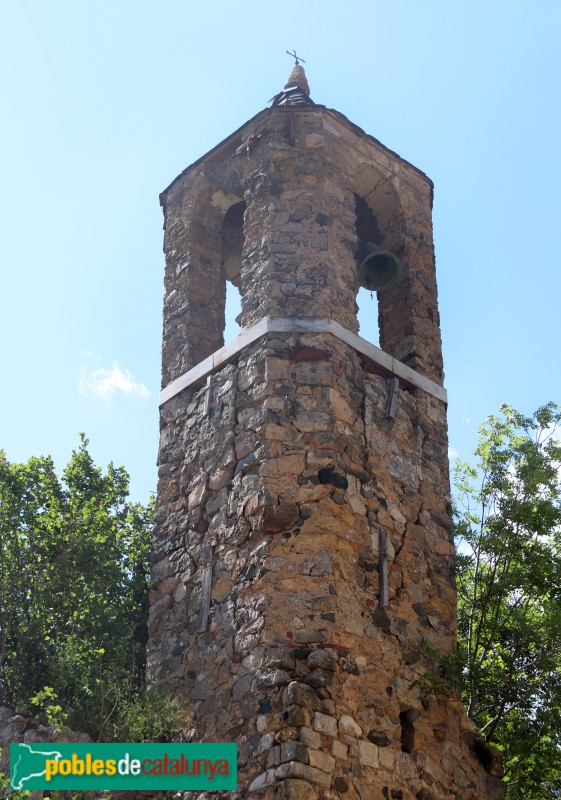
x,y
232,243
379,250
366,227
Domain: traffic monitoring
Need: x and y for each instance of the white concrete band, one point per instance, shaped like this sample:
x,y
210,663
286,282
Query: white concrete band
x,y
387,363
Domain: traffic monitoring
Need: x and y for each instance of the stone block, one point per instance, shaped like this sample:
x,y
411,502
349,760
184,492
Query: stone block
x,y
294,769
274,564
368,754
278,677
278,657
280,518
322,659
310,738
348,726
308,636
266,743
314,373
379,738
325,602
319,564
319,678
296,716
262,781
301,695
198,495
322,723
339,750
294,751
310,493
356,504
284,465
322,761
387,758
294,789
309,421
273,757
276,369
220,477
339,407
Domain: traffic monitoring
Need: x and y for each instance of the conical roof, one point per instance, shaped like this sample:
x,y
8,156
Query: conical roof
x,y
296,90
298,78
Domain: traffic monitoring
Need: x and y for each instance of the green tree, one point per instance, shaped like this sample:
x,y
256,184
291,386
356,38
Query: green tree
x,y
509,595
74,564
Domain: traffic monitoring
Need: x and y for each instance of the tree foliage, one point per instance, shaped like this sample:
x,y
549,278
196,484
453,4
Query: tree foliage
x,y
509,595
74,567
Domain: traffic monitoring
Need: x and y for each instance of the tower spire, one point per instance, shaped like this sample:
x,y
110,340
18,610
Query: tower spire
x,y
297,78
297,89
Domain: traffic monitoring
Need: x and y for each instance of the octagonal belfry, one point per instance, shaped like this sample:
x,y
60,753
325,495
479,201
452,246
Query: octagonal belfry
x,y
302,594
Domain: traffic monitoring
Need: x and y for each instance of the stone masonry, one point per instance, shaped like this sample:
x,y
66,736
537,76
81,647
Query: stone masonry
x,y
302,597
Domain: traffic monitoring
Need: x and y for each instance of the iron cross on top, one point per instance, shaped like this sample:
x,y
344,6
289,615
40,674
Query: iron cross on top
x,y
295,57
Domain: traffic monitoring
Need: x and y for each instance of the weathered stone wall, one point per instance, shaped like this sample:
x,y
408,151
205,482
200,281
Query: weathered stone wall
x,y
283,479
297,662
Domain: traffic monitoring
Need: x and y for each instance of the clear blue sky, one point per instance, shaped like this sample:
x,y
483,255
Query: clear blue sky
x,y
104,103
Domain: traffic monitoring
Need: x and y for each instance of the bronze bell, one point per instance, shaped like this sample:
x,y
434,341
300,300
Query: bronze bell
x,y
377,269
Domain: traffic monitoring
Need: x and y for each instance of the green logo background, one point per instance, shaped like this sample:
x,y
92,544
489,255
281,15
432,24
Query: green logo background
x,y
28,766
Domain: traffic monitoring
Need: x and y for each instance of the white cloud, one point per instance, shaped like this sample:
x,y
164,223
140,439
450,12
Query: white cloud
x,y
452,453
105,383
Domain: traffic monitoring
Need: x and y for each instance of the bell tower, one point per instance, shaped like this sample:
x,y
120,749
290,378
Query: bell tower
x,y
302,595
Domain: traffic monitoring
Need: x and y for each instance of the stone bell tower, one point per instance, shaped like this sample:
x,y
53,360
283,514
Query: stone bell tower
x,y
302,597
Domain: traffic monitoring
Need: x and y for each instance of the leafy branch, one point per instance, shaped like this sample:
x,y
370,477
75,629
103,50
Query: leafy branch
x,y
508,526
